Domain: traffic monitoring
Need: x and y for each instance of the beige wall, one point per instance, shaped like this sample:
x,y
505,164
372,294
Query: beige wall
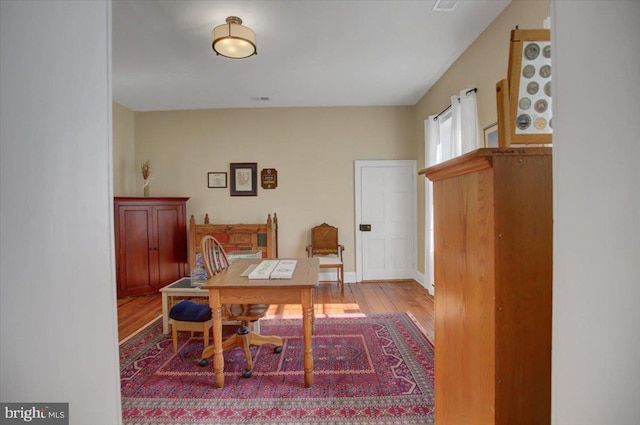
x,y
124,182
313,150
482,65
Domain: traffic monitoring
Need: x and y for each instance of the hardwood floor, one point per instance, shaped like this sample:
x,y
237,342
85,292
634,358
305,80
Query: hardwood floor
x,y
375,297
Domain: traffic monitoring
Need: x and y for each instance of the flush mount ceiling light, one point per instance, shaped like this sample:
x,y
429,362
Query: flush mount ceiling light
x,y
233,40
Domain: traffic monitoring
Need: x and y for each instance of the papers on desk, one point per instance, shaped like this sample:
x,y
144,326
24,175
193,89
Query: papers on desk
x,y
273,269
284,269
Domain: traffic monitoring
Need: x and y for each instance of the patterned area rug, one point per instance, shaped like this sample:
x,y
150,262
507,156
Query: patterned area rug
x,y
374,369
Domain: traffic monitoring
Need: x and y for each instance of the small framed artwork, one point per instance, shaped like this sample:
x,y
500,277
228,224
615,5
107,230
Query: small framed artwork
x,y
491,136
269,178
217,180
244,179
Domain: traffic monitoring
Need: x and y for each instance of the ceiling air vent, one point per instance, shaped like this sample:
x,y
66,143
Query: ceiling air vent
x,y
260,98
444,5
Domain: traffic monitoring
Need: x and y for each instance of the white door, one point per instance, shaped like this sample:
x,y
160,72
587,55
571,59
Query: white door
x,y
386,219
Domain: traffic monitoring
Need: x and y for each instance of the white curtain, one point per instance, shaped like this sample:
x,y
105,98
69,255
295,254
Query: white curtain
x,y
465,131
447,136
470,134
455,131
432,141
456,128
432,156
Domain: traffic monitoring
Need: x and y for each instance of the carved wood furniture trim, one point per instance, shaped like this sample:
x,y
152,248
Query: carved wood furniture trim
x,y
233,237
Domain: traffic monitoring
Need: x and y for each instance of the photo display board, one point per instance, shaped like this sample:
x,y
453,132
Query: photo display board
x,y
534,95
526,95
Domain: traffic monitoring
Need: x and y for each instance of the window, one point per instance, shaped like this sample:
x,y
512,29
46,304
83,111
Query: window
x,y
447,135
454,131
445,147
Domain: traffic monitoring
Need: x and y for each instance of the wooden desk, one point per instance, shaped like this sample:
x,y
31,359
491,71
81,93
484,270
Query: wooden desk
x,y
228,287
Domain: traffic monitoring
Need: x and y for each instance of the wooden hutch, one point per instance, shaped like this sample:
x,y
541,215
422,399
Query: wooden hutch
x,y
493,272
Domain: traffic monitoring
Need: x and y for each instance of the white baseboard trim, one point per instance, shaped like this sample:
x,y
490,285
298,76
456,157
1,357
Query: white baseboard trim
x,y
419,277
332,276
350,277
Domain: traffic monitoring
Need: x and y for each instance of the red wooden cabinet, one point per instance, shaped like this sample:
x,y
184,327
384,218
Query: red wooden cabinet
x,y
151,243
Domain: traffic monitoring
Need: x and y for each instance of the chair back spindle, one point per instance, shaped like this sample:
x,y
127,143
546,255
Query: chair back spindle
x,y
215,258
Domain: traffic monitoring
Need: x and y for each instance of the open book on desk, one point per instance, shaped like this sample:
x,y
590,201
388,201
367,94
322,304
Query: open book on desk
x,y
284,269
273,269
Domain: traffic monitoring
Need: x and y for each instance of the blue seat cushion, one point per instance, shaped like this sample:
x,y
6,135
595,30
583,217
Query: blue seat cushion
x,y
188,311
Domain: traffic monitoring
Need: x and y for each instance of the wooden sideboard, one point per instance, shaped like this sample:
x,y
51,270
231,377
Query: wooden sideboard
x,y
493,287
151,243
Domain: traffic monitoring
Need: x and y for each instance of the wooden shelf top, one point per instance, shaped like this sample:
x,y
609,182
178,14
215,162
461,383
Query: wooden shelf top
x,y
477,160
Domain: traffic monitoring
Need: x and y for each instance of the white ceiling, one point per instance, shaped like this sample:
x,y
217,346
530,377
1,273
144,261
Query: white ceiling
x,y
310,53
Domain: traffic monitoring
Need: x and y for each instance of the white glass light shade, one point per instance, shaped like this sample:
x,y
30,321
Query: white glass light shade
x,y
233,40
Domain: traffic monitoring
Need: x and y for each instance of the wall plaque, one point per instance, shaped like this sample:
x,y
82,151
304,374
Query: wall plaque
x,y
269,178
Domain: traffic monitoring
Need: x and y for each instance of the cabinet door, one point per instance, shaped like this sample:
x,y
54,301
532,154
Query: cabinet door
x,y
170,245
135,245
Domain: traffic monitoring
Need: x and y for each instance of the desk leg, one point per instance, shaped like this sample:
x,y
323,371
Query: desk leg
x,y
218,359
307,329
165,313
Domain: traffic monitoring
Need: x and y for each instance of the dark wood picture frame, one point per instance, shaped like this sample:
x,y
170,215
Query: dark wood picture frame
x,y
244,178
217,179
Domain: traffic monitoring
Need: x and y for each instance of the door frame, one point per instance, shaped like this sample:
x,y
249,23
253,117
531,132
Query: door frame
x,y
358,165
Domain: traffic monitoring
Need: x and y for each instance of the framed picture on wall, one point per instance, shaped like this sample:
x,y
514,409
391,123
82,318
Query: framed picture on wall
x,y
244,178
217,180
491,136
269,178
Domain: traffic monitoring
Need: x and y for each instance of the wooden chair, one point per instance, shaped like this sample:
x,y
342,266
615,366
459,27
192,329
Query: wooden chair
x,y
215,260
190,316
325,247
